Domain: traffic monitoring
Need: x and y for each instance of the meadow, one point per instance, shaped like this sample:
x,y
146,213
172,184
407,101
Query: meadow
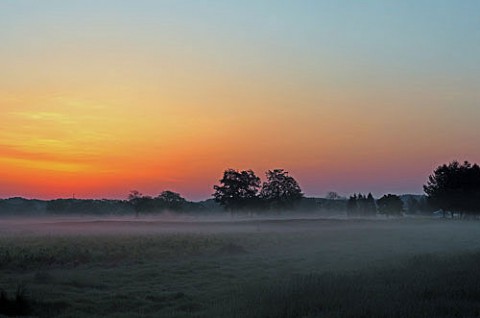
x,y
241,267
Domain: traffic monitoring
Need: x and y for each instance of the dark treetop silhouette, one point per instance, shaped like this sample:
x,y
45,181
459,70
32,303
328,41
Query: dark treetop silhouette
x,y
361,205
280,190
455,188
390,205
238,189
167,200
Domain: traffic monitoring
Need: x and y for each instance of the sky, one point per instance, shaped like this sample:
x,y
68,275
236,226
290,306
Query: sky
x,y
98,98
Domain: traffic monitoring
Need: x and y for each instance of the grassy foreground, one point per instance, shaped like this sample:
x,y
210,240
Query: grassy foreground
x,y
270,268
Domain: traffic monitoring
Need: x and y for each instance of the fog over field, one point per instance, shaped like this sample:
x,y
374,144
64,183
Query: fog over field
x,y
404,234
232,266
157,224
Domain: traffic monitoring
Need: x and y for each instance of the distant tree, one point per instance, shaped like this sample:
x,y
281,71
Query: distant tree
x,y
413,205
87,206
134,198
170,200
134,195
424,206
390,205
332,195
370,206
455,188
237,190
57,206
280,190
360,205
352,206
139,202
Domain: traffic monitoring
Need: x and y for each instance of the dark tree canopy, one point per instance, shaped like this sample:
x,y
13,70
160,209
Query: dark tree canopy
x,y
140,203
134,195
455,187
361,205
332,195
170,200
352,205
237,189
390,205
167,200
280,190
370,205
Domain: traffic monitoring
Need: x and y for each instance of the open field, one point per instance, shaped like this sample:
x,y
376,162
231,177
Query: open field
x,y
79,267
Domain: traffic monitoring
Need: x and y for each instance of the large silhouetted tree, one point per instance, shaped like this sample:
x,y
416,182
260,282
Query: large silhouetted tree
x,y
237,190
390,205
280,190
455,187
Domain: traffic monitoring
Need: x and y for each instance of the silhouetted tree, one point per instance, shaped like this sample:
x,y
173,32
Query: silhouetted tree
x,y
280,190
352,205
413,205
140,203
424,206
134,195
455,187
361,205
237,190
170,200
390,205
332,195
58,206
370,206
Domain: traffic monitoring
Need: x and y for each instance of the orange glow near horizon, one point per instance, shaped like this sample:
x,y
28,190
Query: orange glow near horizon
x,y
98,101
64,146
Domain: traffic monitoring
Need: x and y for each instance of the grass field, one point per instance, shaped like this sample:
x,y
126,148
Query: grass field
x,y
242,268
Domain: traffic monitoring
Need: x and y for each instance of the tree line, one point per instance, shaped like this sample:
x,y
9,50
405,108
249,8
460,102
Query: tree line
x,y
242,190
166,201
366,206
453,190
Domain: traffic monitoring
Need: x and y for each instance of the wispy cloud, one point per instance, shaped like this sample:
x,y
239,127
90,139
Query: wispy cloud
x,y
12,152
44,116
